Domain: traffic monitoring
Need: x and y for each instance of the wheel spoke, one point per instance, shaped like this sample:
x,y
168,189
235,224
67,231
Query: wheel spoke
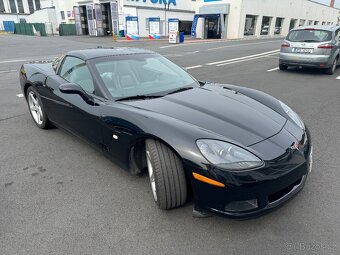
x,y
33,99
34,108
38,117
40,111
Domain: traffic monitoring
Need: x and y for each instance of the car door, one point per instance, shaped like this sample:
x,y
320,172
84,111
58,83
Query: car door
x,y
71,111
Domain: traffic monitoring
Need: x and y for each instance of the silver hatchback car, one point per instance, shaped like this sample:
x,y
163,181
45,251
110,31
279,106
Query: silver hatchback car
x,y
311,46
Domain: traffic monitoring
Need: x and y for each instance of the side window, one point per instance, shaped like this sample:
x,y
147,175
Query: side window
x,y
75,70
337,35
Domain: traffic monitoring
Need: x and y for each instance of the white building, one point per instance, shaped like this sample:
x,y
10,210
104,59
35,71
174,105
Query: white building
x,y
228,19
214,18
239,18
17,10
63,10
184,10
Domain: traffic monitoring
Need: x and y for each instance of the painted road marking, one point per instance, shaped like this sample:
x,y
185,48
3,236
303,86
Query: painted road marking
x,y
218,41
274,69
338,78
268,53
28,59
240,45
172,55
9,71
247,59
20,95
191,43
12,61
193,67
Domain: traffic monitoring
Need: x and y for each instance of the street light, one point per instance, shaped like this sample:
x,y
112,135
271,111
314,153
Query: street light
x,y
165,9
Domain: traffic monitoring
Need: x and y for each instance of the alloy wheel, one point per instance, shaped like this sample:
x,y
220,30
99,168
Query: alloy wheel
x,y
35,108
151,175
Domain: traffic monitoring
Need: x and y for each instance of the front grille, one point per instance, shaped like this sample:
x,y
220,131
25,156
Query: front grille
x,y
281,193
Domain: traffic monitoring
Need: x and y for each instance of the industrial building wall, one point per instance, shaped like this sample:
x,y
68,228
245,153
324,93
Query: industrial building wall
x,y
300,10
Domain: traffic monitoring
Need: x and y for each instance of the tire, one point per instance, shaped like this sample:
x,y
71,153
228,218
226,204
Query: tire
x,y
167,177
36,108
332,69
283,67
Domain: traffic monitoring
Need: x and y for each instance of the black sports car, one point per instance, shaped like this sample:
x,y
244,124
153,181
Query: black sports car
x,y
239,151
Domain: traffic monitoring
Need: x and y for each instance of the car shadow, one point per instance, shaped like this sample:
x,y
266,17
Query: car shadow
x,y
306,70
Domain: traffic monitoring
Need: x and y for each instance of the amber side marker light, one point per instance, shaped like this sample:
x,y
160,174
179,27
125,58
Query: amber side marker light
x,y
208,180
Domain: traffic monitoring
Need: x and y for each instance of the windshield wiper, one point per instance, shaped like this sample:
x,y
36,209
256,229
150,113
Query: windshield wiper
x,y
137,97
179,90
311,41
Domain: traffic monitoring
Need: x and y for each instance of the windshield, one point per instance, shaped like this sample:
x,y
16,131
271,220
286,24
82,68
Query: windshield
x,y
305,35
141,74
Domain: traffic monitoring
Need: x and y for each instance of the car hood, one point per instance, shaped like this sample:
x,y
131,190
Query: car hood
x,y
222,111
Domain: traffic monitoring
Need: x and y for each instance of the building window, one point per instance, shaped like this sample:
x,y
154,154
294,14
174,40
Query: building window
x,y
2,6
20,6
30,6
12,6
278,26
292,24
62,14
37,4
265,27
316,23
310,22
249,28
302,22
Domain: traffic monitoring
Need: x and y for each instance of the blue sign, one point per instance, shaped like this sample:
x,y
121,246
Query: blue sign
x,y
154,28
132,28
194,26
173,25
167,2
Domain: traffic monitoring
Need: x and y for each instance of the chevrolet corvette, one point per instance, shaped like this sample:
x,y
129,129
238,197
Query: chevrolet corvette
x,y
238,151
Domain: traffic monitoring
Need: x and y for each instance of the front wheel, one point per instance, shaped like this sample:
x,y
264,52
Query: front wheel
x,y
166,173
36,108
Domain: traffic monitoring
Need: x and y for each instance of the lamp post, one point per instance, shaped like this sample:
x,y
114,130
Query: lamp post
x,y
166,7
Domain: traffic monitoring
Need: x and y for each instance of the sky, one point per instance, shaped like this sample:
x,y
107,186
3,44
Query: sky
x,y
337,2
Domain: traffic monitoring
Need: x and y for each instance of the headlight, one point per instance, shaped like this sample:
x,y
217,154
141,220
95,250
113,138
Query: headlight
x,y
227,156
293,115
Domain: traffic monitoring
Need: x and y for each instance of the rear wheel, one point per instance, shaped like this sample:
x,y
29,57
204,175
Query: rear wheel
x,y
36,108
283,67
166,173
332,69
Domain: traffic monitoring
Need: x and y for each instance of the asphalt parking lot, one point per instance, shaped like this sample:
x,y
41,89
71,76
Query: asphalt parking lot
x,y
58,195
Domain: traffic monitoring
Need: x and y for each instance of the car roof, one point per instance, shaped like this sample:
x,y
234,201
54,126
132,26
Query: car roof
x,y
327,28
87,54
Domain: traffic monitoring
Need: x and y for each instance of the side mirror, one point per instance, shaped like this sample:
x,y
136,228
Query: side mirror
x,y
75,89
71,88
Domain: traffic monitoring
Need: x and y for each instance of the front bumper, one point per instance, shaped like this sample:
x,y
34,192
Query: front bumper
x,y
252,193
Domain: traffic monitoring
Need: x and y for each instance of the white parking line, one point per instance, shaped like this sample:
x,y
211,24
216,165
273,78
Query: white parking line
x,y
12,61
274,69
193,67
8,71
20,95
338,78
191,43
240,45
246,57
